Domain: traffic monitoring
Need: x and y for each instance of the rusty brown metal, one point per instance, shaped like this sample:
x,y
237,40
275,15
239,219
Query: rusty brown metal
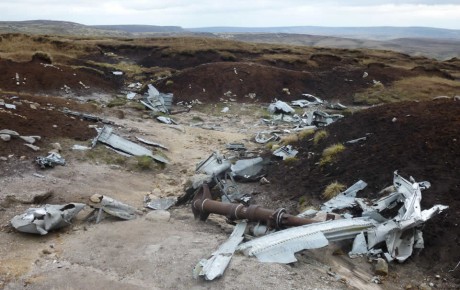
x,y
203,205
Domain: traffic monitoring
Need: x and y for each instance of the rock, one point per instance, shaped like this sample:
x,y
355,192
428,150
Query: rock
x,y
33,107
158,216
408,286
263,181
9,132
28,139
96,198
2,158
34,197
35,148
457,98
381,268
5,137
437,277
394,119
424,286
157,192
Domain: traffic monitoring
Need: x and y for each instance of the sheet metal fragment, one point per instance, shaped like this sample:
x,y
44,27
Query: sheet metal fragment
x,y
215,266
50,161
44,219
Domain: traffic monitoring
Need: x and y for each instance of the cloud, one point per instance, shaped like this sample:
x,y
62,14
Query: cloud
x,y
239,13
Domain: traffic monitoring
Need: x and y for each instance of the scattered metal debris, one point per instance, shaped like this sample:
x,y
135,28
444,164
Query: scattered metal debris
x,y
214,165
10,106
88,117
344,199
106,136
320,118
285,152
336,106
265,136
102,203
215,266
80,147
130,95
280,107
161,203
156,101
309,101
358,140
152,143
248,169
166,120
44,219
236,147
50,161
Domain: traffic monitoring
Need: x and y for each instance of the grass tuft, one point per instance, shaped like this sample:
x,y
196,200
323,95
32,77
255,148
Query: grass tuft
x,y
304,134
144,162
333,189
330,154
290,139
320,135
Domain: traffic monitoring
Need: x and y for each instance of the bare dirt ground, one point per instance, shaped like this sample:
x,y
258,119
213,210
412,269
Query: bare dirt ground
x,y
143,254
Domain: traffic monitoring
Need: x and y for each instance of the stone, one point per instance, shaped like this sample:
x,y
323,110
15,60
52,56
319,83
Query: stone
x,y
5,137
157,192
33,107
35,148
2,158
9,132
158,216
263,181
381,268
424,286
28,139
30,197
96,198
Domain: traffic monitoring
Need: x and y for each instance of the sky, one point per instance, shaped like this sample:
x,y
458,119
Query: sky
x,y
241,13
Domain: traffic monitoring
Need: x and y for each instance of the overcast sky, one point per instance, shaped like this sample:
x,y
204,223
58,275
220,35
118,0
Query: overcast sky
x,y
247,13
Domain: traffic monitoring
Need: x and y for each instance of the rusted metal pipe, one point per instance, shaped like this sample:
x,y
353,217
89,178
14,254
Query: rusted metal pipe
x,y
203,205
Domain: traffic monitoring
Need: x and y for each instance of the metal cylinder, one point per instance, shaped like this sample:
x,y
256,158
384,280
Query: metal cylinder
x,y
203,205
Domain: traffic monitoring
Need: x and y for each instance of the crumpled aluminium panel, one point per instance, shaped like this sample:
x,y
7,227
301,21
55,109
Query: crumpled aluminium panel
x,y
279,247
44,219
50,161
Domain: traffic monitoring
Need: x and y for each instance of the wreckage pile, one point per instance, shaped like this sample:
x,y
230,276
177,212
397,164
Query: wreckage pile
x,y
417,138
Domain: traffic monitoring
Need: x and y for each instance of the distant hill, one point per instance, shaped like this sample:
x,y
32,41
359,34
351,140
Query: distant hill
x,y
375,33
72,28
424,41
434,48
140,28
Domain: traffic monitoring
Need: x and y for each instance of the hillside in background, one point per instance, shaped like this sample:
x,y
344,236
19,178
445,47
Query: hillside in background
x,y
436,43
375,33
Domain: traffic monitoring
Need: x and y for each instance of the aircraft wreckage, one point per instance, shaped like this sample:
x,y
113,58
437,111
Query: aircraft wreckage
x,y
400,234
